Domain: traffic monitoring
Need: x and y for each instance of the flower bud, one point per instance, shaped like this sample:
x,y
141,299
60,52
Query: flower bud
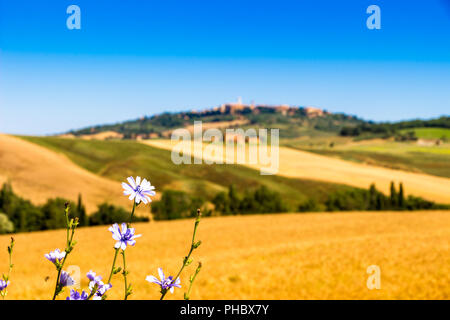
x,y
188,262
197,244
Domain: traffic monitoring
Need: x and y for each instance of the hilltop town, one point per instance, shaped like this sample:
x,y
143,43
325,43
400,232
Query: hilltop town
x,y
241,108
227,115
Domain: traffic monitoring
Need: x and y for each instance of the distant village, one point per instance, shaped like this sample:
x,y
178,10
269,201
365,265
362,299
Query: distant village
x,y
238,107
234,108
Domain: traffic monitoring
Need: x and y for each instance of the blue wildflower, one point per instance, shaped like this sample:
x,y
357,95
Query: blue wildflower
x,y
138,190
75,295
101,287
55,256
124,237
65,280
3,284
164,283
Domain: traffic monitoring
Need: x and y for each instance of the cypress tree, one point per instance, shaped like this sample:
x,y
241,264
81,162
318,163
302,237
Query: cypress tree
x,y
81,212
234,199
393,198
380,202
372,197
401,197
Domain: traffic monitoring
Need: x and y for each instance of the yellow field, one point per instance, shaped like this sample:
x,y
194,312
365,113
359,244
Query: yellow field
x,y
302,164
38,174
288,256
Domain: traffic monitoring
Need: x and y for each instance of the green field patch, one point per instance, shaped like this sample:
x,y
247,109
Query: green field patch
x,y
430,133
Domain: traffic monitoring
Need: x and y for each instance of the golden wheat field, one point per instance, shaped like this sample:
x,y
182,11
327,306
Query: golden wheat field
x,y
284,256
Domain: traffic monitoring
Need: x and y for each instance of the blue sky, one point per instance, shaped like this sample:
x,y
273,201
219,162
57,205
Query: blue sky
x,y
134,58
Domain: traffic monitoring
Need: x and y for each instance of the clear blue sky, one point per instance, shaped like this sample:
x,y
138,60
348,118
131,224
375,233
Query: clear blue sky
x,y
134,58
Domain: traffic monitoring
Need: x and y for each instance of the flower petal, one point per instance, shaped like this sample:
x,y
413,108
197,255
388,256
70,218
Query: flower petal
x,y
161,274
132,183
153,279
127,187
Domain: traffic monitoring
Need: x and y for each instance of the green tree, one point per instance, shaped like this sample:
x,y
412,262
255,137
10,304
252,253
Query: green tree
x,y
222,203
401,197
309,205
373,193
176,205
6,226
380,201
393,197
80,212
233,199
53,211
109,214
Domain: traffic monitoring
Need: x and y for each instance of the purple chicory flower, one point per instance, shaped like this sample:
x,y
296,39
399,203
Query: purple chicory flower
x,y
75,295
65,280
3,284
164,283
55,256
101,291
138,190
101,287
93,277
124,237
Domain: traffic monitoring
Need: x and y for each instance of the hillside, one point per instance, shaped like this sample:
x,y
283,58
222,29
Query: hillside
x,y
284,256
422,156
115,159
38,174
305,165
402,130
291,120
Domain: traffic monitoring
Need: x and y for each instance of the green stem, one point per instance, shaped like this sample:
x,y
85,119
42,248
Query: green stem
x,y
188,293
57,282
186,259
113,265
132,214
94,290
125,274
10,251
69,246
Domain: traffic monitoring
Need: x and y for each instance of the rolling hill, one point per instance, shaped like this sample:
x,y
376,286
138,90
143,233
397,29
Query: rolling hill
x,y
37,174
291,120
305,165
115,159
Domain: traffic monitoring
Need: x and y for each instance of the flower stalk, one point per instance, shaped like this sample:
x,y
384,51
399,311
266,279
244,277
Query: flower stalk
x,y
113,268
191,281
5,281
187,259
71,225
128,290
